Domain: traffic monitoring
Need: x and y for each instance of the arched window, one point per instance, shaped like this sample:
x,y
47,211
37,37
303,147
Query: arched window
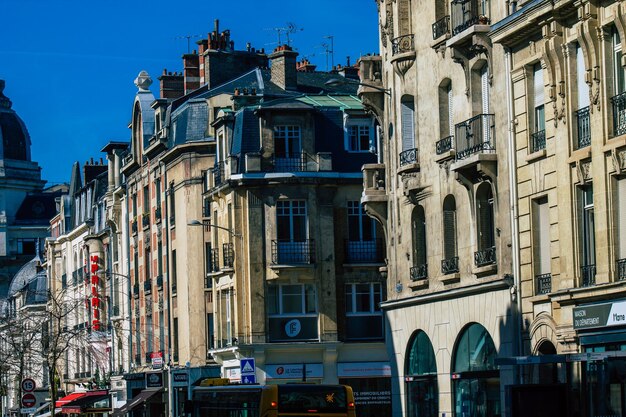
x,y
418,234
476,379
485,226
450,262
421,377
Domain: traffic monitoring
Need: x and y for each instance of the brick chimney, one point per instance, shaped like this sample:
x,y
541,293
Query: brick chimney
x,y
283,67
203,45
191,71
305,66
171,84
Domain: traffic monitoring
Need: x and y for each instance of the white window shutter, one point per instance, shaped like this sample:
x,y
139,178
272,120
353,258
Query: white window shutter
x,y
583,88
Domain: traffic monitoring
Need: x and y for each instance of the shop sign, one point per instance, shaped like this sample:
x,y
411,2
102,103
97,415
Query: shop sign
x,y
157,360
363,369
179,379
600,315
154,379
294,371
233,374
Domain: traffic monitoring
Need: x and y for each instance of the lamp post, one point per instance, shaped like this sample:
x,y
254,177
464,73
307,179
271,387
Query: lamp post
x,y
336,82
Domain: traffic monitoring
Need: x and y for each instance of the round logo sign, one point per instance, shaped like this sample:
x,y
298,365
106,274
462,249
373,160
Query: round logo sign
x,y
28,400
293,327
28,385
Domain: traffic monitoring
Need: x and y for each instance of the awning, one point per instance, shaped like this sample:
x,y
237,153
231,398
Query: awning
x,y
140,399
41,408
81,404
69,398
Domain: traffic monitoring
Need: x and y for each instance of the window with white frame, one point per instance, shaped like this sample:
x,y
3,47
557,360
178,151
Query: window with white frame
x,y
291,299
362,245
363,313
541,246
539,117
287,142
291,216
587,236
359,135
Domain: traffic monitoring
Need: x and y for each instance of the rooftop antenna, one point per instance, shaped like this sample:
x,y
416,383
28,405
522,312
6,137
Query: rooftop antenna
x,y
331,51
287,30
188,37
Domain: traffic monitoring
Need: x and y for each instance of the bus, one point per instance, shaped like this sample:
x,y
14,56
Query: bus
x,y
287,400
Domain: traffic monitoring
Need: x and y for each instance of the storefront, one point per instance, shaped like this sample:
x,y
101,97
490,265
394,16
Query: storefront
x,y
294,372
371,384
92,403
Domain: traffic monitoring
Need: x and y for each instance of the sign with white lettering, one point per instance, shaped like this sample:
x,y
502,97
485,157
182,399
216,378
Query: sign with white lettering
x,y
294,371
600,315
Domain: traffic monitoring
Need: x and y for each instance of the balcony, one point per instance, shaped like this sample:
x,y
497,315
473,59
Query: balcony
x,y
588,275
583,127
538,141
288,162
403,53
450,265
286,252
374,197
282,328
213,261
364,251
621,269
75,277
409,157
619,114
485,257
371,89
543,284
419,272
467,13
115,311
475,148
218,174
228,253
441,28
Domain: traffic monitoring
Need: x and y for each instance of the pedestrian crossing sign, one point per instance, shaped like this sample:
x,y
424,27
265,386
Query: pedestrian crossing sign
x,y
247,367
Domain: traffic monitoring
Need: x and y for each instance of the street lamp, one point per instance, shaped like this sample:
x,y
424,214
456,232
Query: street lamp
x,y
336,82
209,225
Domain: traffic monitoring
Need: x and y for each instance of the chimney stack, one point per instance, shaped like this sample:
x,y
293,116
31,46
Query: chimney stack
x,y
283,67
191,68
171,85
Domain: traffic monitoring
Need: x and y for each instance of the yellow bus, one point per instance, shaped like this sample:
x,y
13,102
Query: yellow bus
x,y
287,400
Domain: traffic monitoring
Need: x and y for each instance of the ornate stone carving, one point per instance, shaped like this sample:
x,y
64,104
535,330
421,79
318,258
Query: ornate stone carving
x,y
583,169
143,81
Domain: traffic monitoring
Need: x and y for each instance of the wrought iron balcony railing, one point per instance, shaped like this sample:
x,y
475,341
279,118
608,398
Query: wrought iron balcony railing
x,y
543,283
410,156
418,272
588,275
450,265
621,269
441,27
485,257
286,252
292,162
364,251
619,114
228,252
538,140
444,145
475,135
218,174
213,264
584,127
467,13
402,44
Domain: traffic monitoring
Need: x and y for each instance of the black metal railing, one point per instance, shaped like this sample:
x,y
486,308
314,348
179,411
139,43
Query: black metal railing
x,y
228,252
588,275
410,156
291,162
364,251
218,174
450,265
418,272
543,283
467,13
485,257
138,358
213,260
441,27
402,44
584,127
538,140
621,269
619,114
293,252
475,135
444,145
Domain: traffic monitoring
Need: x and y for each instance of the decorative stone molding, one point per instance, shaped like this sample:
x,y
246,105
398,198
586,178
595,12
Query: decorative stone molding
x,y
583,170
618,157
553,56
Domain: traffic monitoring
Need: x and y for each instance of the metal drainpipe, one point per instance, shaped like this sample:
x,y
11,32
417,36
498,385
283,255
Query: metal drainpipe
x,y
512,161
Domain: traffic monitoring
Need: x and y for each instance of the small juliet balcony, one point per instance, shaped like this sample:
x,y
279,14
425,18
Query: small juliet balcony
x,y
403,53
444,149
538,141
543,283
418,272
621,270
450,265
485,257
475,148
588,275
409,160
618,103
468,13
288,252
228,252
583,125
441,29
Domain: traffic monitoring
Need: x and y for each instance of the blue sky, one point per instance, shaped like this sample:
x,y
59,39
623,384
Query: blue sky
x,y
69,66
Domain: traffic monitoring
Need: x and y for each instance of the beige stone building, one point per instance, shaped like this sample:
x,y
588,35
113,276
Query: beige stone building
x,y
440,190
567,106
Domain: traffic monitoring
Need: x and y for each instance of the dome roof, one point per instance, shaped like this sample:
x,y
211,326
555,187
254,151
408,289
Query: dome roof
x,y
24,276
14,138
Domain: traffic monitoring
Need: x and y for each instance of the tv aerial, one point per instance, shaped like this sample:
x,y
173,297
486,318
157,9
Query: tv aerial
x,y
188,37
287,30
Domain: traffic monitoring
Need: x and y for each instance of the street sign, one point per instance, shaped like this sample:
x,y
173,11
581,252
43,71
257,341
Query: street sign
x,y
28,410
28,400
28,385
248,371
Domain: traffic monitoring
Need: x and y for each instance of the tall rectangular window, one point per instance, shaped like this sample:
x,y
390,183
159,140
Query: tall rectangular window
x,y
291,220
619,72
621,229
538,99
157,195
359,136
541,246
581,79
363,313
407,119
172,205
173,280
175,335
147,261
288,148
133,199
149,336
161,331
146,199
587,236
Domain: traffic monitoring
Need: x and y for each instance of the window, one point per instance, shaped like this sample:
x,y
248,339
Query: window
x,y
26,246
137,340
210,331
226,302
619,87
421,377
486,253
136,267
407,116
587,237
292,245
175,335
538,136
161,330
133,199
419,269
146,199
172,205
541,246
446,126
147,261
359,136
450,262
157,186
173,271
288,148
621,229
298,304
363,314
362,245
582,114
149,336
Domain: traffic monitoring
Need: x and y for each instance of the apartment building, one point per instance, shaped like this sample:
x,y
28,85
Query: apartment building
x,y
441,192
